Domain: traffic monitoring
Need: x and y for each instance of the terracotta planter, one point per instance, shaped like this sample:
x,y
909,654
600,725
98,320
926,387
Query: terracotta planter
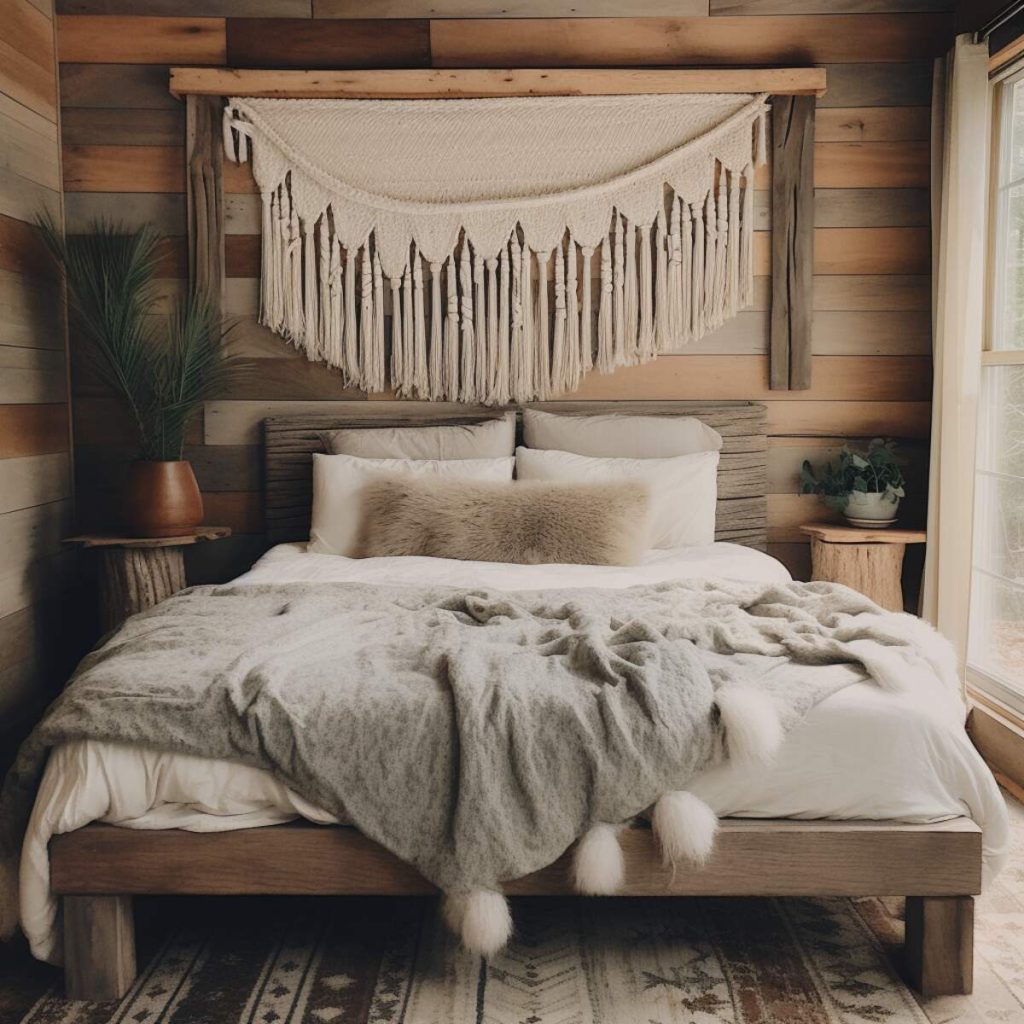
x,y
162,499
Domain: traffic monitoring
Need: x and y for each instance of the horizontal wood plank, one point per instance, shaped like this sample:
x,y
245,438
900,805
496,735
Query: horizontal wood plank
x,y
751,858
763,7
27,152
872,251
114,85
24,199
849,419
507,9
27,58
124,169
872,124
31,533
302,43
594,42
191,8
34,480
141,40
32,375
22,250
871,207
164,211
872,165
109,126
482,82
866,292
907,84
30,311
33,430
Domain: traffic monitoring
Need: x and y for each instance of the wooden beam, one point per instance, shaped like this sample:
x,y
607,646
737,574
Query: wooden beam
x,y
752,858
483,82
99,947
940,944
792,241
205,197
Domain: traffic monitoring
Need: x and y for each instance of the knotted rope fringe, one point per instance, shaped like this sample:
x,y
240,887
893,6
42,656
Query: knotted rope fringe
x,y
520,324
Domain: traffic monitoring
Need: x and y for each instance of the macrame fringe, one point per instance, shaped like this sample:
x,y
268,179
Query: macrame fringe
x,y
518,325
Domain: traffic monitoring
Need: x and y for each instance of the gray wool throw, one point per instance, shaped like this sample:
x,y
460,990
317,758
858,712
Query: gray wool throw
x,y
474,734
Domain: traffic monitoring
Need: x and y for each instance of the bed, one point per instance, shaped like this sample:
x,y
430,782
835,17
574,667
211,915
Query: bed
x,y
872,795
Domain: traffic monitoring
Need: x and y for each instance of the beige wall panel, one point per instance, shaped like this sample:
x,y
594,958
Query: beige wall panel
x,y
31,375
872,292
35,480
31,533
849,419
24,199
590,42
872,333
872,124
26,58
27,152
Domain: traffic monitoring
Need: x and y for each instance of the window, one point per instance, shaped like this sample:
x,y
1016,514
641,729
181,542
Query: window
x,y
996,640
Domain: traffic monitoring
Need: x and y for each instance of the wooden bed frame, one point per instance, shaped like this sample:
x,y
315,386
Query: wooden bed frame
x,y
98,869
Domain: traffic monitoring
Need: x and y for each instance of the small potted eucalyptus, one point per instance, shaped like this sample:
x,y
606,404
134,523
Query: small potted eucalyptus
x,y
866,485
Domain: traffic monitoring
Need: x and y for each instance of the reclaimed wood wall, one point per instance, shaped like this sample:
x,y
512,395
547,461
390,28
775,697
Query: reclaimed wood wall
x,y
123,140
35,471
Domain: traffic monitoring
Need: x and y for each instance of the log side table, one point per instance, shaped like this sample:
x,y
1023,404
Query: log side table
x,y
139,572
867,560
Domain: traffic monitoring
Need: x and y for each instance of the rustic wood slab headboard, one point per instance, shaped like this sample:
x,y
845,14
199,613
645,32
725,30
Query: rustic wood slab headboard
x,y
290,441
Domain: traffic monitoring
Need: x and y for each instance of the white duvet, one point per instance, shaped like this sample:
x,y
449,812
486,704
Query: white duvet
x,y
862,753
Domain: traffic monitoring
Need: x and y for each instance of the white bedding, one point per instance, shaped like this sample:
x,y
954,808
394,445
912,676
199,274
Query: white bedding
x,y
862,753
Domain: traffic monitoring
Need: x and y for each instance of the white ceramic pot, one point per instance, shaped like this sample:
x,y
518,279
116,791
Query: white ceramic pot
x,y
872,507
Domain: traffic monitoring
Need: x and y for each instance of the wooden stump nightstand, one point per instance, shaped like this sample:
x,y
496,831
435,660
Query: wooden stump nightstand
x,y
870,561
139,572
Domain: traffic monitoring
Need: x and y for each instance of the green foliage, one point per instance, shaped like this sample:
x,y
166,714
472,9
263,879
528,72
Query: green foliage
x,y
163,366
872,471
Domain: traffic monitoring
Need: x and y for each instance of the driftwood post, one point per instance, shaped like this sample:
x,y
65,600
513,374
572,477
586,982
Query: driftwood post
x,y
792,241
204,156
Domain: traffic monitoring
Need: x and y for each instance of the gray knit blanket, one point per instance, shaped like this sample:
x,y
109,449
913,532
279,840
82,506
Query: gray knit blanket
x,y
474,734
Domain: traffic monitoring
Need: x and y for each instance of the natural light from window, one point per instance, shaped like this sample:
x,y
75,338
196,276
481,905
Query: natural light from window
x,y
996,644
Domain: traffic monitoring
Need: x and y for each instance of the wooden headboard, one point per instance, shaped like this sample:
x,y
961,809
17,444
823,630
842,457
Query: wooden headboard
x,y
290,441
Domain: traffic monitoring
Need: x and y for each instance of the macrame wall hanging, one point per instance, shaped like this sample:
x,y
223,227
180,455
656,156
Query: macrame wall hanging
x,y
496,250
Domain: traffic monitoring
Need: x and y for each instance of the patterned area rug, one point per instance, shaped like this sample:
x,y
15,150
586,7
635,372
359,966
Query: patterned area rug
x,y
574,961
642,961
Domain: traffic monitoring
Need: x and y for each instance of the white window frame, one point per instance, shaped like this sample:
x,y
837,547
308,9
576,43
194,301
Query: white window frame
x,y
990,688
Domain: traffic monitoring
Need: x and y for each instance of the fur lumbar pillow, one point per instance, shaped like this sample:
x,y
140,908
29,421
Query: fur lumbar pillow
x,y
526,522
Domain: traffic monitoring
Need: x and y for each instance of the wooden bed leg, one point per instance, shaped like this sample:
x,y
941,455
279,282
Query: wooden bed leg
x,y
99,947
940,944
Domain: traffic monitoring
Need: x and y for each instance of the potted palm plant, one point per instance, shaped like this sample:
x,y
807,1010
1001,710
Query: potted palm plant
x,y
866,485
163,367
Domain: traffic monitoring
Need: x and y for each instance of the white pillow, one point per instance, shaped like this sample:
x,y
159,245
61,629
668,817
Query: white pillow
x,y
615,436
491,439
339,479
683,490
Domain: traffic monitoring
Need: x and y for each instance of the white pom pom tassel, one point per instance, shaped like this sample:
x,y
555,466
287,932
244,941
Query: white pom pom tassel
x,y
481,918
753,732
685,828
598,867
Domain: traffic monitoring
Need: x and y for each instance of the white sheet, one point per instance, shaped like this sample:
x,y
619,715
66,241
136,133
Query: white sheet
x,y
862,753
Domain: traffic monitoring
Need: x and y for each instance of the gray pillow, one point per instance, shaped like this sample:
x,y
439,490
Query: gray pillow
x,y
618,436
490,439
529,523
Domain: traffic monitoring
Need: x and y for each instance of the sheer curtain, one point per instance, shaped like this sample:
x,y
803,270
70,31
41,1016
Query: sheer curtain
x,y
960,152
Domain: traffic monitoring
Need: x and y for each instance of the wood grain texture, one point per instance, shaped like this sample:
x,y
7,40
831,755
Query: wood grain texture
x,y
763,858
872,292
99,947
124,169
22,251
33,430
906,84
873,124
874,570
141,40
289,444
484,82
111,85
857,207
594,42
26,151
24,199
793,177
191,8
872,164
32,375
34,480
762,7
872,251
205,198
27,58
99,126
940,944
164,211
506,9
301,43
